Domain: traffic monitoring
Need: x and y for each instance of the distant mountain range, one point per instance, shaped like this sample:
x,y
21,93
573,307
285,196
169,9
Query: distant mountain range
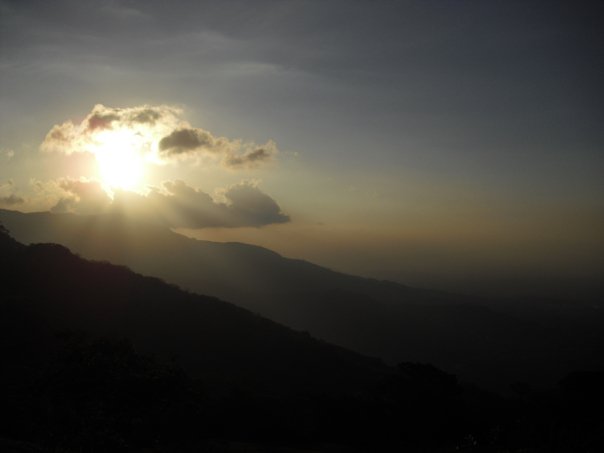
x,y
99,358
475,339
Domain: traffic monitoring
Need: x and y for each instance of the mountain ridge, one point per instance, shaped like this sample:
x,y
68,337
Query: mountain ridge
x,y
462,335
49,280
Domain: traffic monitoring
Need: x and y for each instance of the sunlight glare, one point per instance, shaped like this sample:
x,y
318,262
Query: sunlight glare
x,y
120,160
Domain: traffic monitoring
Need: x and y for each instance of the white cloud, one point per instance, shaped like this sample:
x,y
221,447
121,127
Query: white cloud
x,y
162,134
8,197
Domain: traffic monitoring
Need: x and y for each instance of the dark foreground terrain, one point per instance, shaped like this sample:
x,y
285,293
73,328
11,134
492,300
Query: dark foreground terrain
x,y
98,358
492,343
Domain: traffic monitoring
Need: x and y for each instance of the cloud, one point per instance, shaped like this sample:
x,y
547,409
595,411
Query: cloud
x,y
108,117
101,120
180,205
174,204
159,134
252,157
81,196
162,134
145,120
11,200
7,196
185,140
61,138
233,153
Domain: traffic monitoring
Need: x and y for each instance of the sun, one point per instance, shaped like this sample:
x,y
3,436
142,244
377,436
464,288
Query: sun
x,y
119,155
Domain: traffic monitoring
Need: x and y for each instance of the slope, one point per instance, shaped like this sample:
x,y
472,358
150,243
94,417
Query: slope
x,y
460,334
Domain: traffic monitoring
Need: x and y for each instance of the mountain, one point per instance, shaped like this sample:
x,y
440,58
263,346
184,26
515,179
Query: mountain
x,y
99,358
464,335
53,290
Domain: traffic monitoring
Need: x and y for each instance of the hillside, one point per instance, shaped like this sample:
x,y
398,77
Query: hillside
x,y
99,358
209,338
460,334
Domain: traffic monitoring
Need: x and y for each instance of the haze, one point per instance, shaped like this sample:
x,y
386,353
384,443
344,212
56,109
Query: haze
x,y
450,145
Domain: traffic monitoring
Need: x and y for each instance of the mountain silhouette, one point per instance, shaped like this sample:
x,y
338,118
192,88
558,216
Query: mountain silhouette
x,y
99,358
62,291
464,335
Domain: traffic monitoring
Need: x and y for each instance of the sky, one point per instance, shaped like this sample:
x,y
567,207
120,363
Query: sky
x,y
446,144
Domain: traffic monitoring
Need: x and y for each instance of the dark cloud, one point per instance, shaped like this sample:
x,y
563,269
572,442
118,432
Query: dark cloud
x,y
60,138
175,204
101,121
7,196
248,206
11,200
148,116
58,134
180,205
103,117
251,158
186,140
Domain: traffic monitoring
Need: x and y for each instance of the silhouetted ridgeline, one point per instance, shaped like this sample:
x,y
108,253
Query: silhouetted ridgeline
x,y
478,340
98,358
66,291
